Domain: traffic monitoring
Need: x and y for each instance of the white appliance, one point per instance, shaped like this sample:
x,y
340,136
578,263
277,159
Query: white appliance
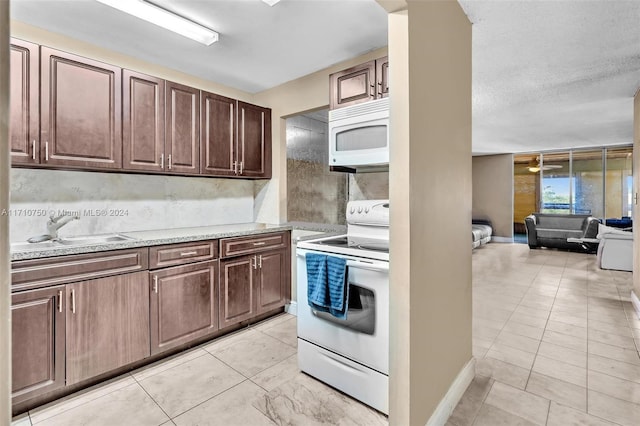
x,y
351,355
359,134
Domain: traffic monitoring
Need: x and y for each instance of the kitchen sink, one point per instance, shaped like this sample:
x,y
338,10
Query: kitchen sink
x,y
85,240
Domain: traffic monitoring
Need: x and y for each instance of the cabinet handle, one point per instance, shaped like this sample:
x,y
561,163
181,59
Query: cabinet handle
x,y
169,161
260,260
155,284
162,161
46,151
373,91
261,243
188,253
60,301
73,301
235,167
254,263
33,149
241,166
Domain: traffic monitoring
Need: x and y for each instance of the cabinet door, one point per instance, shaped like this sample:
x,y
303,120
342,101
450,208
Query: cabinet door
x,y
143,121
273,280
352,86
183,304
254,141
218,135
38,342
382,77
81,112
24,108
182,135
107,324
237,298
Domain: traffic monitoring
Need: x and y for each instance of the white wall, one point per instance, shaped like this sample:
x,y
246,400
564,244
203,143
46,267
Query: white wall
x,y
132,202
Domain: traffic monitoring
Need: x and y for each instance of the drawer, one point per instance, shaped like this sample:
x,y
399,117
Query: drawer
x,y
35,273
245,245
179,254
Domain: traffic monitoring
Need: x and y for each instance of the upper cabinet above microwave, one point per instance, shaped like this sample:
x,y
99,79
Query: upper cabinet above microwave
x,y
358,84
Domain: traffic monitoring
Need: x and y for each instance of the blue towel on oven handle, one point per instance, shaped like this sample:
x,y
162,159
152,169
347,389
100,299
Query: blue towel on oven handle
x,y
327,287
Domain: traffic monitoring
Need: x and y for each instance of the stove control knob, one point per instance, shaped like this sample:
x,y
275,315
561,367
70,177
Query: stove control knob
x,y
359,209
352,211
366,210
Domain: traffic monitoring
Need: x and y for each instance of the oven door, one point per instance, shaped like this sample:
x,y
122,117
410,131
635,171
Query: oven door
x,y
364,335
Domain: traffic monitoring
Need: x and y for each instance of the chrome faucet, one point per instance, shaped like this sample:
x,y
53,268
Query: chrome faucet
x,y
53,224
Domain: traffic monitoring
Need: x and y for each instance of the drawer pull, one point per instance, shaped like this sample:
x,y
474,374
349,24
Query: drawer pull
x,y
260,261
73,301
261,243
60,301
188,253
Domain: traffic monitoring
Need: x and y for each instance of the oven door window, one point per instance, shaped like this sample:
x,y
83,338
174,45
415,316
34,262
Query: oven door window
x,y
361,315
360,138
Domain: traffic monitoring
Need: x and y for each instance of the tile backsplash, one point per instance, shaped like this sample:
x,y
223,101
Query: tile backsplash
x,y
115,202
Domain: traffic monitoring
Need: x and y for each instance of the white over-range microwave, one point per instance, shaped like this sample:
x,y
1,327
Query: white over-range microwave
x,y
359,134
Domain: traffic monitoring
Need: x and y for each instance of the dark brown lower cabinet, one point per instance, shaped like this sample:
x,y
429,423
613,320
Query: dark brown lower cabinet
x,y
237,290
272,280
253,284
107,324
38,342
183,304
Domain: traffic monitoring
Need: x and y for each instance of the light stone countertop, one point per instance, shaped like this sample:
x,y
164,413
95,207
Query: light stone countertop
x,y
153,238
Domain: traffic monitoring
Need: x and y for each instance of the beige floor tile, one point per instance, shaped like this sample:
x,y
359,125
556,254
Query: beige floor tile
x,y
280,373
306,401
577,321
558,391
614,368
614,352
482,343
167,363
186,385
493,416
21,420
561,370
571,342
271,322
528,320
611,339
613,409
471,402
44,412
519,342
560,353
285,331
614,386
560,309
253,353
524,330
569,330
561,415
503,372
129,405
511,355
523,404
233,407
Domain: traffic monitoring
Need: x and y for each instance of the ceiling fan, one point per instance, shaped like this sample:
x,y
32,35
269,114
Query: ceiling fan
x,y
534,166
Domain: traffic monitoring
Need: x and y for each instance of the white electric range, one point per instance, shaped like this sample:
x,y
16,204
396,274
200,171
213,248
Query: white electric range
x,y
351,354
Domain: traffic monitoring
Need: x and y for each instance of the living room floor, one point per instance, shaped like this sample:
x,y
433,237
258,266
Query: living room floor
x,y
552,334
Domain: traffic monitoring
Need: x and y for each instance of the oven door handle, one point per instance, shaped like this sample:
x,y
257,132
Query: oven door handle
x,y
378,267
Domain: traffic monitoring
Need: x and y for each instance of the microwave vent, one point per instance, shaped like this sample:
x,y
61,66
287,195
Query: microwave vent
x,y
359,109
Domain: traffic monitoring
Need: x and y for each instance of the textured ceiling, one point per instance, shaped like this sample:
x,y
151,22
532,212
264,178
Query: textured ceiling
x,y
546,74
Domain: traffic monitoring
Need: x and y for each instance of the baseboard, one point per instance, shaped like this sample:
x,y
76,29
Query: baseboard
x,y
292,308
501,239
453,395
636,303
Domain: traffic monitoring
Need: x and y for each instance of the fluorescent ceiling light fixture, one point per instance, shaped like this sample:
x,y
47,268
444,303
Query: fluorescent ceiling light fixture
x,y
271,2
165,19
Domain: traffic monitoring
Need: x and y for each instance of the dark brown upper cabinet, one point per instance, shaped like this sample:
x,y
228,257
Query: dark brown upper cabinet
x,y
182,124
218,135
382,77
358,84
254,141
24,119
81,112
143,122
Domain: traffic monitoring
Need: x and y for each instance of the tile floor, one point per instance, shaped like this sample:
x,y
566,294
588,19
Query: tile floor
x,y
555,338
